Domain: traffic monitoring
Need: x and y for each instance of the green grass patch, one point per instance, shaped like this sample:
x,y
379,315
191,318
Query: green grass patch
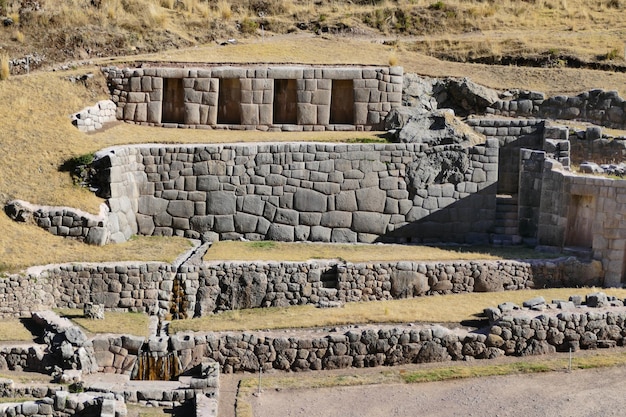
x,y
116,322
13,330
450,308
301,251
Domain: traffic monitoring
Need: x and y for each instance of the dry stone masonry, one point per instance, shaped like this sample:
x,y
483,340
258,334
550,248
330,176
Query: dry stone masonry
x,y
95,117
265,97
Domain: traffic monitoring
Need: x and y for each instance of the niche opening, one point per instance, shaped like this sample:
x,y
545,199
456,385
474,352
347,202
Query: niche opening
x,y
285,102
342,102
229,101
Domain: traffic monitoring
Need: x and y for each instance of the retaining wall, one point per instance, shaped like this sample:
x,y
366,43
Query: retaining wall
x,y
368,346
293,98
306,191
95,117
603,108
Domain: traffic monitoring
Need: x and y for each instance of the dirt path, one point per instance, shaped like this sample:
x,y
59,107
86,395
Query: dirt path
x,y
580,393
595,392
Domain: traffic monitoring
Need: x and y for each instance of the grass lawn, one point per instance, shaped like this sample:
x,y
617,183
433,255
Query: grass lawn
x,y
299,252
452,308
13,330
115,322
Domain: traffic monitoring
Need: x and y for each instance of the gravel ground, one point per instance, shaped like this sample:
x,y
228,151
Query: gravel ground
x,y
596,392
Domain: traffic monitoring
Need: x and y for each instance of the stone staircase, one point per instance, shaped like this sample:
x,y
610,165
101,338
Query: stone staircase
x,y
505,231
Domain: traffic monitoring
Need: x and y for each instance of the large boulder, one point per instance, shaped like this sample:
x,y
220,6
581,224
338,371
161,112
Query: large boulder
x,y
464,96
409,125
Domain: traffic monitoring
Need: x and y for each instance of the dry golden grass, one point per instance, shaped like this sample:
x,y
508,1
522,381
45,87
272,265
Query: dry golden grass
x,y
114,322
282,251
13,330
453,308
5,67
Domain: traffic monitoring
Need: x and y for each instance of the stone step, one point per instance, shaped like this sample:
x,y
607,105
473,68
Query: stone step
x,y
507,215
504,230
505,240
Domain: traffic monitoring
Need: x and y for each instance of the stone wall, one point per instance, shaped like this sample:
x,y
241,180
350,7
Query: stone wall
x,y
386,345
219,286
189,290
63,404
512,135
191,97
585,212
309,191
603,108
95,117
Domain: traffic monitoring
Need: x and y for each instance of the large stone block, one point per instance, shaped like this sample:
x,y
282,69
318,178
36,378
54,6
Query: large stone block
x,y
221,202
336,219
281,233
371,199
346,201
151,206
320,234
366,222
181,208
343,236
307,114
309,200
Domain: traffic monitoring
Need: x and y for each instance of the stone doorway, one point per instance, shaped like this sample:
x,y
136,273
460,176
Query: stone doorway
x,y
229,101
342,102
173,110
580,217
285,102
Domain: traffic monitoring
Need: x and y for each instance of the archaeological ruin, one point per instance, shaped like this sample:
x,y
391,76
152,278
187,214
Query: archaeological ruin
x,y
464,165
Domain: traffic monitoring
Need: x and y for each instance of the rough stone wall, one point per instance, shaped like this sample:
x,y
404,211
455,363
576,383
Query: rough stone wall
x,y
310,191
130,286
139,94
63,404
219,286
382,345
603,108
93,118
560,218
600,151
512,135
210,287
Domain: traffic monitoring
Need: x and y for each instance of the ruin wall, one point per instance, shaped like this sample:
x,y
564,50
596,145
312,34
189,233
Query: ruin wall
x,y
306,191
265,97
587,212
603,108
161,289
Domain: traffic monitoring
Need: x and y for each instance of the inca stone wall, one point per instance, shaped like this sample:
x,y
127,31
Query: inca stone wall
x,y
306,191
95,117
191,97
219,286
603,108
512,135
380,345
188,290
585,212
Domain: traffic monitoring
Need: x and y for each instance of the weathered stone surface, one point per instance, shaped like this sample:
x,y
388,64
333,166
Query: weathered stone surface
x,y
221,202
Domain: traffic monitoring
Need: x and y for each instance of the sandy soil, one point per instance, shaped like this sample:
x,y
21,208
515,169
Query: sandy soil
x,y
579,393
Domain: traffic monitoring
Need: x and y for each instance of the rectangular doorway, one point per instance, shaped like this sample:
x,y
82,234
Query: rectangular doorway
x,y
342,102
173,110
580,218
229,101
285,102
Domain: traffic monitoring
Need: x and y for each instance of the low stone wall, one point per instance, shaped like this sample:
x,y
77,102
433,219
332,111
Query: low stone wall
x,y
603,108
95,117
219,286
25,357
517,333
63,221
63,404
195,290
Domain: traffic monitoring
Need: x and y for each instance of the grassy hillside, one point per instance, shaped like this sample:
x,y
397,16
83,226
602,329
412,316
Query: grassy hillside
x,y
62,30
